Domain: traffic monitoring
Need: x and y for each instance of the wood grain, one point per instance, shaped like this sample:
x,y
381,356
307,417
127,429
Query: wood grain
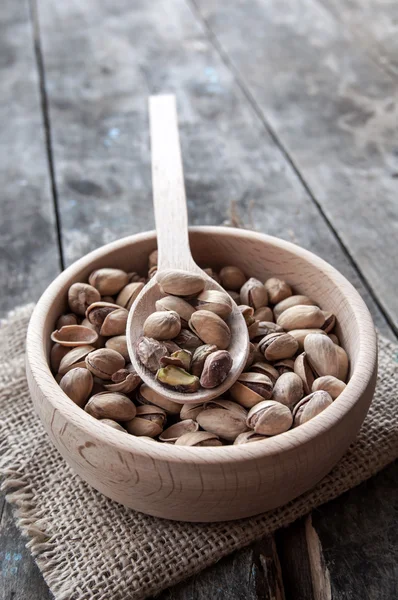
x,y
334,112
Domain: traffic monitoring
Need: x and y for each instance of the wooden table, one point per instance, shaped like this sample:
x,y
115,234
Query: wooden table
x,y
288,110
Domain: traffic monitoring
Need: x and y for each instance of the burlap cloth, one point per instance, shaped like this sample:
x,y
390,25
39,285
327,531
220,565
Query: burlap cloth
x,y
89,547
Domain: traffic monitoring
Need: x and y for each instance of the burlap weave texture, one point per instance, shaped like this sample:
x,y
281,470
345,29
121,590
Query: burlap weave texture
x,y
90,548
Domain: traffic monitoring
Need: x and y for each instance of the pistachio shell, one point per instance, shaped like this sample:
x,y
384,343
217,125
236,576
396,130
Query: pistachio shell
x,y
153,259
74,358
198,438
215,301
330,321
303,370
334,339
149,421
253,293
172,433
322,354
188,340
111,405
288,389
175,304
128,294
210,328
115,323
294,300
300,335
286,365
258,382
162,325
342,362
77,384
199,357
223,418
69,319
235,296
265,369
329,384
269,418
149,352
249,436
211,273
103,363
311,406
146,395
80,296
216,368
180,283
57,353
124,380
108,281
301,317
244,396
277,289
250,356
118,343
264,313
74,335
232,278
113,424
180,358
266,328
98,311
277,346
190,411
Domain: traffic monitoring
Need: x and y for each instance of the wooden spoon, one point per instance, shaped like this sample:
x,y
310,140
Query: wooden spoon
x,y
174,252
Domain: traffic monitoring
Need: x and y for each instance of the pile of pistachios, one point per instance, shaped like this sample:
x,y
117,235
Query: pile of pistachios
x,y
296,367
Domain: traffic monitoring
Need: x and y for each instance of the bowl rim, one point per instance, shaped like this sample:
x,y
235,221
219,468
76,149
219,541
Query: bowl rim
x,y
360,378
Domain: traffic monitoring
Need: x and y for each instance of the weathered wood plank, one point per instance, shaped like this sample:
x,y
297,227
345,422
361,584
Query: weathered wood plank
x,y
334,111
29,257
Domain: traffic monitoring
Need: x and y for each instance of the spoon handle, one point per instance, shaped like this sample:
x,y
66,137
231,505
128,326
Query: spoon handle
x,y
169,199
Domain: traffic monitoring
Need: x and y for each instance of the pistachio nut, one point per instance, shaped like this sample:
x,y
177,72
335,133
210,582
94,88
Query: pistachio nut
x,y
80,296
198,438
300,335
69,319
250,356
276,346
77,384
125,380
111,405
211,273
295,300
249,436
162,325
264,313
265,369
210,328
235,296
152,272
103,363
172,433
118,343
178,379
232,278
216,368
171,346
286,365
277,289
74,335
322,354
180,358
253,293
330,321
334,339
97,386
76,357
247,313
266,328
153,259
215,301
146,395
57,353
108,281
115,323
113,424
269,418
149,352
190,411
178,305
180,283
100,343
253,330
288,389
187,340
301,317
128,294
199,357
311,406
98,311
342,362
149,421
303,370
223,418
109,299
135,278
329,384
251,388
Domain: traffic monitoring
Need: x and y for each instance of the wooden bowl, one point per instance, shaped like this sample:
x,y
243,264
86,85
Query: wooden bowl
x,y
208,484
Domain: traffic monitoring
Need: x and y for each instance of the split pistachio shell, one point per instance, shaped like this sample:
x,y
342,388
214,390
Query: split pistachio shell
x,y
128,294
190,411
264,313
244,396
180,358
199,357
98,311
171,346
265,369
300,335
232,278
301,317
294,300
210,328
188,340
277,289
80,296
180,283
146,395
253,293
153,259
260,383
172,433
249,436
57,353
69,319
149,352
269,418
77,384
198,438
334,339
266,328
343,363
162,325
76,357
103,363
288,390
178,379
115,323
311,406
253,330
276,346
286,365
330,321
109,299
111,405
329,384
135,277
125,381
250,356
303,370
113,424
178,305
322,355
118,343
216,368
216,302
108,281
224,418
74,335
149,421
